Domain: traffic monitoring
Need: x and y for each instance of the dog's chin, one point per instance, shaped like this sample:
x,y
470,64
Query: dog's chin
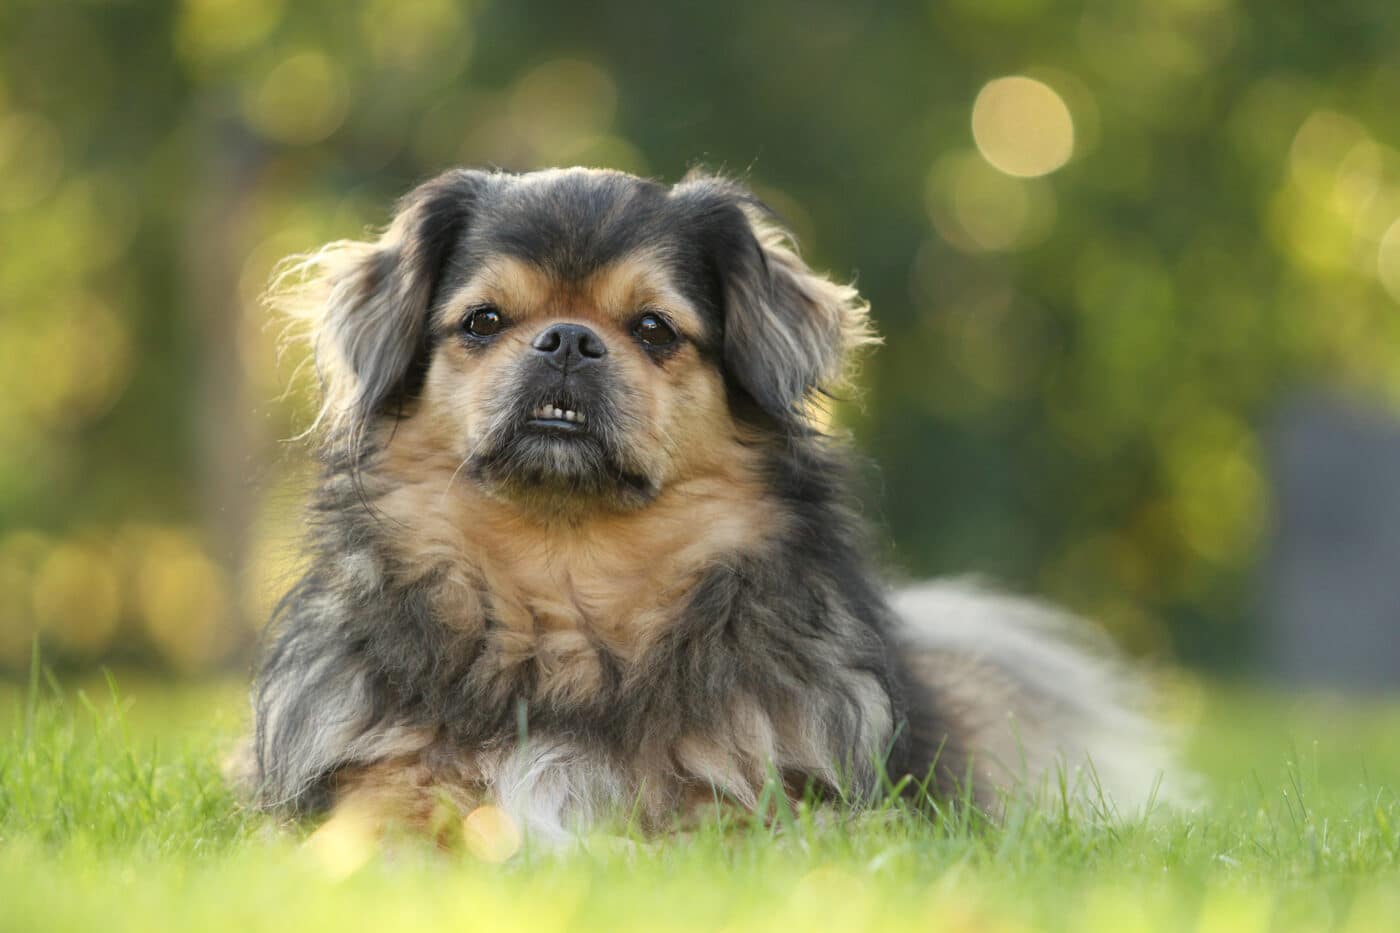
x,y
560,468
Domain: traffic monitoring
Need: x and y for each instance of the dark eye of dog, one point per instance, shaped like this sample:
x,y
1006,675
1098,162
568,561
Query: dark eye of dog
x,y
485,321
652,330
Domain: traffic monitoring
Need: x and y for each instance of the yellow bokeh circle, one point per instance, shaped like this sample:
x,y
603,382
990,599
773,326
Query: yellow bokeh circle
x,y
1022,127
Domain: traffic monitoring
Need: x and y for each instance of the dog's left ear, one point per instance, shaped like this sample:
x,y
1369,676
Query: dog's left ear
x,y
789,332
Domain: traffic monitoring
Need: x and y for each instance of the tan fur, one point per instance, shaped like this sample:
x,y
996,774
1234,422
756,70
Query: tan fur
x,y
613,576
609,575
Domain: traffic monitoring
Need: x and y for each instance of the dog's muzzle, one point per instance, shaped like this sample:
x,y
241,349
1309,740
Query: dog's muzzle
x,y
576,354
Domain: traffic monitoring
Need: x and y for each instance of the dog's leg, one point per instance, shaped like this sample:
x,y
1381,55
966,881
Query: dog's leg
x,y
402,797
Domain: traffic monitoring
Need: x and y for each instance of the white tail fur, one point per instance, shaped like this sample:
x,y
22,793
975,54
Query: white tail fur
x,y
1037,696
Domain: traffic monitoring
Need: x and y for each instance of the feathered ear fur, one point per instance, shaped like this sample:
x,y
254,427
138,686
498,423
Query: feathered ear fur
x,y
366,304
789,332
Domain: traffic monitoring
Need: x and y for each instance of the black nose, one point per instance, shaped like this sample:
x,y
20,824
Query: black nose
x,y
568,345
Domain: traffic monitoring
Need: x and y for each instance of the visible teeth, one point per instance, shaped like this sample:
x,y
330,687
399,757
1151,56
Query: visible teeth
x,y
549,412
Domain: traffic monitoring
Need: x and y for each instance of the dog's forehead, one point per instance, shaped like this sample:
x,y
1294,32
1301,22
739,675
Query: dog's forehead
x,y
574,223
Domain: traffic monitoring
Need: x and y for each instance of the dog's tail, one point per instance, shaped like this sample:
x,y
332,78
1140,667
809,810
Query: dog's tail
x,y
1039,702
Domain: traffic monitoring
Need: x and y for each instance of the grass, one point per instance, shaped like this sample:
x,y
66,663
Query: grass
x,y
113,816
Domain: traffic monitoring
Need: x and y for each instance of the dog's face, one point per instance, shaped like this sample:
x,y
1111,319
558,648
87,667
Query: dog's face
x,y
577,337
594,386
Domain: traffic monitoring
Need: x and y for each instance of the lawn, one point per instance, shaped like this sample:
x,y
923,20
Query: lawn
x,y
113,816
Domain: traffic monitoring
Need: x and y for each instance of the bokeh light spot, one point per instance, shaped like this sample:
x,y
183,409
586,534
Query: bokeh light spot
x,y
302,100
344,844
77,598
826,895
424,34
183,599
490,834
560,103
1022,127
21,553
1235,911
66,367
95,338
1320,145
31,160
979,209
1212,466
211,30
1388,260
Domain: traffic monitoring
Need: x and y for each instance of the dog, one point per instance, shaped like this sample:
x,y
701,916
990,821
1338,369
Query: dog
x,y
580,550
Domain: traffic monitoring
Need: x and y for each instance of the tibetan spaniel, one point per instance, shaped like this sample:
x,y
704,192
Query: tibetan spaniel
x,y
581,551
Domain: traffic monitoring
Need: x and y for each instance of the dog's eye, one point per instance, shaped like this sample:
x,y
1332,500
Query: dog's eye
x,y
485,321
652,330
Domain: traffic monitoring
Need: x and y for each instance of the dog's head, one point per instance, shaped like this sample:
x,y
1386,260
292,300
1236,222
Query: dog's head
x,y
577,334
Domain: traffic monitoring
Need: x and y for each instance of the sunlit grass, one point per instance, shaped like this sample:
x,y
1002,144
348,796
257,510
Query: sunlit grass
x,y
113,815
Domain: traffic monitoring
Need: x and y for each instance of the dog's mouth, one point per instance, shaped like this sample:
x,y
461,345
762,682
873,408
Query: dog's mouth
x,y
558,417
562,447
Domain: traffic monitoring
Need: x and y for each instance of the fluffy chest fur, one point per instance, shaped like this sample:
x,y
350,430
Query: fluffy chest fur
x,y
554,606
671,649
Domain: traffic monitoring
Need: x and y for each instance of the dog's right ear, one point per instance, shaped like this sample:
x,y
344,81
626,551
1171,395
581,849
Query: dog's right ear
x,y
366,303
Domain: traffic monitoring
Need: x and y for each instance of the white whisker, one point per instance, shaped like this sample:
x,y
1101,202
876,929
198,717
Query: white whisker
x,y
448,488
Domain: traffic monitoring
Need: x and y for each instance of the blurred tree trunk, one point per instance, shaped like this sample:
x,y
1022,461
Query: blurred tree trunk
x,y
230,448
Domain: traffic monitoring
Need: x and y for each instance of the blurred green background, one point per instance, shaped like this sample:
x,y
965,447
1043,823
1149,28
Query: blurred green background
x,y
1104,241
